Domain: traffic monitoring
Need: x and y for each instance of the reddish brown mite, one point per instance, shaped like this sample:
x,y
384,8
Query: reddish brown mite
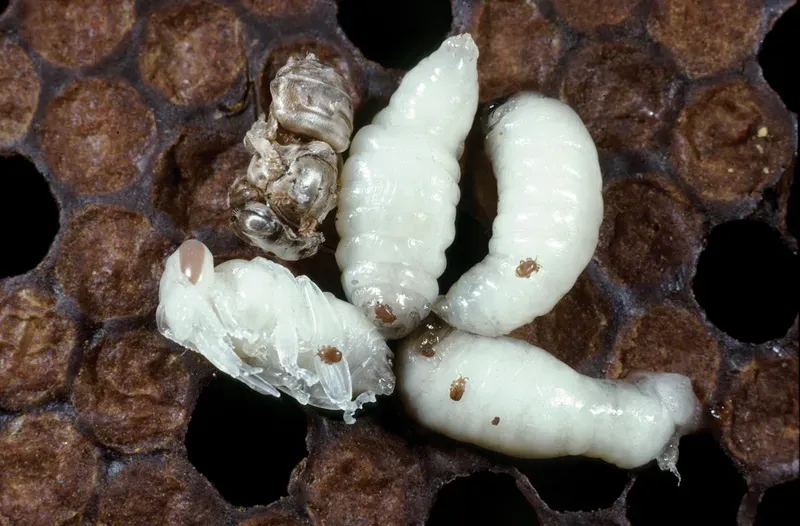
x,y
330,355
457,388
527,267
384,314
495,420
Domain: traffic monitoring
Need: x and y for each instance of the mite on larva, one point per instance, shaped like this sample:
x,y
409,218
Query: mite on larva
x,y
549,211
522,401
256,322
290,185
399,190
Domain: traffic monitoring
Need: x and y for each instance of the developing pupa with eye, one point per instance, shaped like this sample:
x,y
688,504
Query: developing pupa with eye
x,y
514,398
399,190
290,185
256,322
550,207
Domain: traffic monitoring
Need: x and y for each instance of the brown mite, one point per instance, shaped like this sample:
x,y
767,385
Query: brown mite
x,y
330,355
527,267
495,420
457,388
384,314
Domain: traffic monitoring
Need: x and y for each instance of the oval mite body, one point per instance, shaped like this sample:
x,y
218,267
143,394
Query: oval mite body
x,y
550,207
399,190
256,322
508,396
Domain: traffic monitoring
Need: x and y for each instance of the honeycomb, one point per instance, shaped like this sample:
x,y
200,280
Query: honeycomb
x,y
121,126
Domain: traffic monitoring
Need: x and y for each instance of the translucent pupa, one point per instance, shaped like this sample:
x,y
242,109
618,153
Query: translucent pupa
x,y
290,185
508,396
399,190
549,211
256,322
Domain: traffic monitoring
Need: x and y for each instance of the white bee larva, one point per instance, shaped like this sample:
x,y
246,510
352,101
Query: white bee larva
x,y
508,396
290,185
399,190
256,322
549,211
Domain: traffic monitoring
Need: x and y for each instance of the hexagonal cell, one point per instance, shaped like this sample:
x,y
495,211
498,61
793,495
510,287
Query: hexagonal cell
x,y
192,179
193,53
709,492
158,490
778,504
36,345
575,483
19,95
482,498
230,428
25,194
707,37
519,48
414,29
132,391
747,281
776,64
76,33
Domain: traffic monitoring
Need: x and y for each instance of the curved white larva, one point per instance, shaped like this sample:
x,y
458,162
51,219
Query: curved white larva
x,y
549,211
256,322
399,190
508,396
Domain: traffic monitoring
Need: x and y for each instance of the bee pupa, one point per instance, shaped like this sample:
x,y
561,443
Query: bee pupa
x,y
517,399
290,185
399,190
256,322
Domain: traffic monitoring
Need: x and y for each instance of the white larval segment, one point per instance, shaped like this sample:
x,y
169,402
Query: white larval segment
x,y
550,207
399,190
260,324
520,400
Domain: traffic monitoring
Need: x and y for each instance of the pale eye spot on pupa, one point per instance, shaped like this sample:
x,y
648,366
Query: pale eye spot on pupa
x,y
330,355
191,256
457,388
527,267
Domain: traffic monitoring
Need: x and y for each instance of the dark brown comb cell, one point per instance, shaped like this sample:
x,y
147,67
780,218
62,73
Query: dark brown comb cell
x,y
585,18
193,53
160,490
707,37
133,393
36,344
19,92
732,140
110,261
760,415
97,135
621,90
669,339
575,329
649,232
48,471
76,32
519,48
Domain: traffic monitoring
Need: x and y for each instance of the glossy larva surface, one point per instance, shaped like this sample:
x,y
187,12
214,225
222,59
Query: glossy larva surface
x,y
508,396
399,190
256,322
550,207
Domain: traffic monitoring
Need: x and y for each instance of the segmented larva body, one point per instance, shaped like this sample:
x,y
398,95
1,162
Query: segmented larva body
x,y
399,190
508,396
549,211
256,322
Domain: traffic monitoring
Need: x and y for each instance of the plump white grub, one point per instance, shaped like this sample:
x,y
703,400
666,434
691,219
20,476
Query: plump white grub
x,y
399,190
514,398
256,322
549,211
290,185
